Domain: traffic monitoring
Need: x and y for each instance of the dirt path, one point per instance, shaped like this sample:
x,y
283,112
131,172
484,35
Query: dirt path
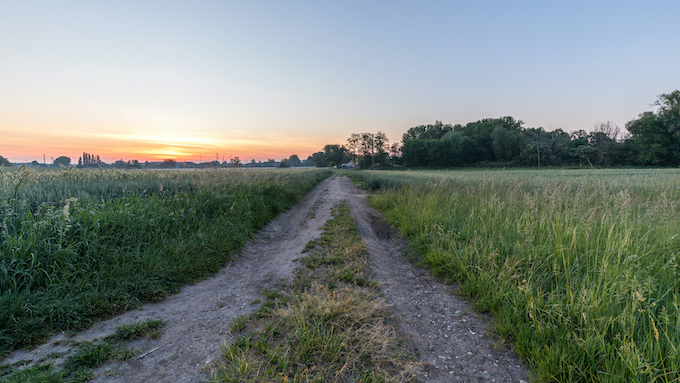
x,y
451,339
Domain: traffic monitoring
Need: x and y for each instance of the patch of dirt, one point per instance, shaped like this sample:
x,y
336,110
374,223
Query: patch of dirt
x,y
451,339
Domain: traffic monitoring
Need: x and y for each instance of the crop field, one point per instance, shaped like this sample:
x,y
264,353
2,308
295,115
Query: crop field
x,y
77,246
578,268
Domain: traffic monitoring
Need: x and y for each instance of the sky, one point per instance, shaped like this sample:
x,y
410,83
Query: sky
x,y
205,80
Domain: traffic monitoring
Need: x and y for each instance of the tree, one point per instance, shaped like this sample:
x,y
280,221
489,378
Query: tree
x,y
4,161
318,159
506,143
169,164
560,145
669,104
424,132
381,145
650,142
134,164
91,160
353,145
235,162
470,152
395,149
431,153
294,160
372,149
669,113
655,137
335,154
62,161
604,138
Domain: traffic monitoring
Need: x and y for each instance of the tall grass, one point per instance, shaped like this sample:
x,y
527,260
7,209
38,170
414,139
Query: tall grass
x,y
80,245
579,269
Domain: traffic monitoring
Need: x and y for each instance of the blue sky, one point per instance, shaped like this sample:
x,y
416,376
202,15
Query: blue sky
x,y
266,79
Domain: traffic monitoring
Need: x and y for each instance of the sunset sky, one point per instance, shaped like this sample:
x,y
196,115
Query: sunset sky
x,y
192,80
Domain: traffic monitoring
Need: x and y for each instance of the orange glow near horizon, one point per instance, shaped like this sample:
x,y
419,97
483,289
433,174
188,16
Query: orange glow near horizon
x,y
29,146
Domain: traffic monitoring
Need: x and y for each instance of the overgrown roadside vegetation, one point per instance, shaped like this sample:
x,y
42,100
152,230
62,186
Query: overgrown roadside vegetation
x,y
578,268
77,246
83,357
329,324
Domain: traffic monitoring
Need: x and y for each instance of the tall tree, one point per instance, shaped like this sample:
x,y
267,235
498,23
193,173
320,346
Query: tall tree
x,y
353,145
604,138
335,155
372,148
655,137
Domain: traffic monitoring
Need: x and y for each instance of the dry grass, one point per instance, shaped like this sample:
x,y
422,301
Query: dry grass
x,y
329,325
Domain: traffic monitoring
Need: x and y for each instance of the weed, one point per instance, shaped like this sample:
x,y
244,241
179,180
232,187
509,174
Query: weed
x,y
239,323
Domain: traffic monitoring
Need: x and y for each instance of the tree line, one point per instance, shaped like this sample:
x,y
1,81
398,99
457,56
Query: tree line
x,y
652,139
364,150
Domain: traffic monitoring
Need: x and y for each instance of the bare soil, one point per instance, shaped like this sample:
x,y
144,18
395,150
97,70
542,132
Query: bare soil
x,y
451,340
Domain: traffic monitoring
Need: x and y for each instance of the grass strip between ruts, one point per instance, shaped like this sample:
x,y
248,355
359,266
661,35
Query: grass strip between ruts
x,y
329,324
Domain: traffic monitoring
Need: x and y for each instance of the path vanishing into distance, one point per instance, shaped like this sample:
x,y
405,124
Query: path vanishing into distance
x,y
451,340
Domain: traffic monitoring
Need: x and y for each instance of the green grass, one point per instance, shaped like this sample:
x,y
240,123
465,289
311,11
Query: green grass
x,y
324,327
578,268
84,357
77,246
138,330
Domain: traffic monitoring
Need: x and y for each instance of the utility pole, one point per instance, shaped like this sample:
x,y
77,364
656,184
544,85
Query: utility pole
x,y
538,150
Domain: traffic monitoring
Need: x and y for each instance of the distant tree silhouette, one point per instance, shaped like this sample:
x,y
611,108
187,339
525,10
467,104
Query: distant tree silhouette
x,y
90,160
4,161
62,161
169,164
294,160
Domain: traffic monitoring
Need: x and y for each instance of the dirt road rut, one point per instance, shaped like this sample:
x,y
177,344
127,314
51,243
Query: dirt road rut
x,y
450,338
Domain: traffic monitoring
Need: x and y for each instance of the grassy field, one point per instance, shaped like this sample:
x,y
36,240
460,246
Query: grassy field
x,y
579,268
80,245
